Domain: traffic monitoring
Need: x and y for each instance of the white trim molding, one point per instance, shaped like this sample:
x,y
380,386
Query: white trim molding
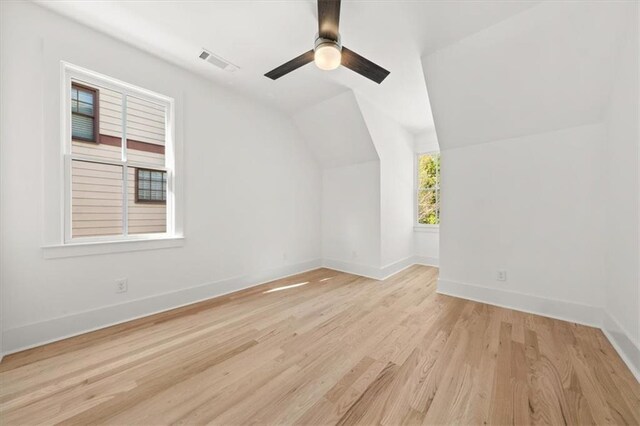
x,y
434,229
620,339
592,316
69,75
40,333
426,261
379,273
552,308
353,268
108,247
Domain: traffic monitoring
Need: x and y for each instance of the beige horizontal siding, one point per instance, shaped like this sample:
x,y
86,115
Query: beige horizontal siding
x,y
146,157
110,112
144,218
96,203
110,152
145,121
96,232
142,117
97,188
102,151
79,209
80,200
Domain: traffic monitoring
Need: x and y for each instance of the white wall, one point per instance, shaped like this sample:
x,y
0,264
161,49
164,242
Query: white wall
x,y
622,284
336,131
426,141
532,206
395,149
367,205
426,246
537,121
351,217
251,188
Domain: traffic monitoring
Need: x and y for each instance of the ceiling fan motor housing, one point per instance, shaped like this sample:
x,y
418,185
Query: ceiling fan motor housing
x,y
327,41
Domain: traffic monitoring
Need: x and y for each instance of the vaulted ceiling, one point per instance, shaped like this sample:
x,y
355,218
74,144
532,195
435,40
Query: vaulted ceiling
x,y
259,35
548,68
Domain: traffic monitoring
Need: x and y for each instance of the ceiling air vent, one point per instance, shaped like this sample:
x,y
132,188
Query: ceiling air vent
x,y
217,61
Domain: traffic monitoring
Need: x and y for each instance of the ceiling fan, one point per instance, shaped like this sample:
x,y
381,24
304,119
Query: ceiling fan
x,y
328,52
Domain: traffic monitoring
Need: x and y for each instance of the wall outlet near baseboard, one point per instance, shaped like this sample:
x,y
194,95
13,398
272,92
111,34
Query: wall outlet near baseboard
x,y
122,285
502,275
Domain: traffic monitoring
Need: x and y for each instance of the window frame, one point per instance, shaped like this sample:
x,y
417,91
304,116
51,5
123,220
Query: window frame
x,y
96,113
72,74
425,227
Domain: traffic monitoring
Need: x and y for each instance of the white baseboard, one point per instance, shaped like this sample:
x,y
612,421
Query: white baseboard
x,y
378,273
353,268
592,316
36,334
558,309
40,333
395,267
426,261
628,349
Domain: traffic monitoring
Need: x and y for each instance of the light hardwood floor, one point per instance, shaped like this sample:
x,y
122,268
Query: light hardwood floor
x,y
326,347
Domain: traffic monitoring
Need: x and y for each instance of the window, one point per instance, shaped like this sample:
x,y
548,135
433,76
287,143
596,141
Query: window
x,y
118,160
151,186
428,189
83,113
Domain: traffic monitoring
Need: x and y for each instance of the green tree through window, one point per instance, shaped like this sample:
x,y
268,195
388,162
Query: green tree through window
x,y
429,189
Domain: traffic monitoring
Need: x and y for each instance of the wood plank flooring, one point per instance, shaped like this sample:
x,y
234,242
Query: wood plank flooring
x,y
326,347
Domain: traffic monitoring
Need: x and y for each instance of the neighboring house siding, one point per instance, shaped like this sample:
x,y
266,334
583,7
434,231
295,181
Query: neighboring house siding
x,y
97,150
110,113
145,121
97,188
97,199
144,217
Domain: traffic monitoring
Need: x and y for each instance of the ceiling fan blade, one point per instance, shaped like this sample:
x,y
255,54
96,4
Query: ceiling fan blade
x,y
328,19
363,66
293,64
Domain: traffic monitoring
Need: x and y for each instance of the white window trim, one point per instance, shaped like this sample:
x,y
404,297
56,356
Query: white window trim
x,y
72,72
420,227
109,247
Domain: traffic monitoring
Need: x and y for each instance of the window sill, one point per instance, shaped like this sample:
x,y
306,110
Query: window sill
x,y
426,228
108,247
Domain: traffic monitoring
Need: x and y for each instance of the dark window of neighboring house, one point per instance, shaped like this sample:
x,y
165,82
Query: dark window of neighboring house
x,y
151,186
84,111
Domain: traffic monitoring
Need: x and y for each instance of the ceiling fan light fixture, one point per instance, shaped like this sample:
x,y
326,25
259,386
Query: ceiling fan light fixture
x,y
327,55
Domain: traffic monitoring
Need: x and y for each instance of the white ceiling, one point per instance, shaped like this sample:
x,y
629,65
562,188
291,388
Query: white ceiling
x,y
548,68
260,35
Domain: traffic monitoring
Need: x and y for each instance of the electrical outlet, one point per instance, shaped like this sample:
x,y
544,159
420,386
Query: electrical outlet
x,y
122,285
502,275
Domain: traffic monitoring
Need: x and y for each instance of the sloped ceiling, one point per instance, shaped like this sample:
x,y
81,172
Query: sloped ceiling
x,y
546,68
336,132
260,35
